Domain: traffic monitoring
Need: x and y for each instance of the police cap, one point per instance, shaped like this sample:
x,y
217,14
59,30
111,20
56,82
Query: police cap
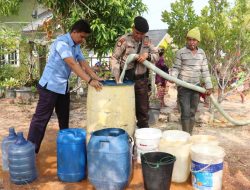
x,y
141,24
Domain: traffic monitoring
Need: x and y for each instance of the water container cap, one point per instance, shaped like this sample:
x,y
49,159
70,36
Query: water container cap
x,y
12,133
76,135
20,139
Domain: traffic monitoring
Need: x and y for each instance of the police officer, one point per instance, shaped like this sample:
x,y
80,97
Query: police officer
x,y
139,43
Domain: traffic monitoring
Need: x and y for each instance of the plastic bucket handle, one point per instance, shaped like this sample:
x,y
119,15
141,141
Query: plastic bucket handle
x,y
162,161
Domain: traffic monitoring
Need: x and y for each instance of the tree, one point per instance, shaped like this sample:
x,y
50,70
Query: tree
x,y
215,24
223,29
240,15
108,18
224,32
9,40
180,20
9,7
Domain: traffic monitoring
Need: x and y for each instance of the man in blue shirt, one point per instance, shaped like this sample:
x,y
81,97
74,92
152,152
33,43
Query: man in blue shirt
x,y
53,86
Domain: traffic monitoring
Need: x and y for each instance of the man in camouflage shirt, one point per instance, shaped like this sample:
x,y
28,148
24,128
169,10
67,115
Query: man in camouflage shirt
x,y
190,66
139,43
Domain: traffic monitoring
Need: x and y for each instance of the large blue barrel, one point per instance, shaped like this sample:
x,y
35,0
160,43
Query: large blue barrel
x,y
7,141
109,159
71,155
21,156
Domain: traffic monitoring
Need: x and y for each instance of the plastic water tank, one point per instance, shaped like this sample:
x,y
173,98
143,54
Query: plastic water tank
x,y
176,142
109,159
7,141
113,107
21,156
71,154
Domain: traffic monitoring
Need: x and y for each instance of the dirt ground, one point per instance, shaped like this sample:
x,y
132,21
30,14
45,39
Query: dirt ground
x,y
234,139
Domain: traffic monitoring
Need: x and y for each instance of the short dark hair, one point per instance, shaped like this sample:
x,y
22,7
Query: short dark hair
x,y
161,52
81,26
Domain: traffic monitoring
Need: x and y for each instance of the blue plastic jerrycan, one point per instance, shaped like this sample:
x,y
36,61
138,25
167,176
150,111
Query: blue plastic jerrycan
x,y
109,159
71,154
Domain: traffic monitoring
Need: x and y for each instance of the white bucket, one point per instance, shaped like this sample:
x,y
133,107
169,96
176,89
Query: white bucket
x,y
146,140
176,136
208,139
175,142
207,166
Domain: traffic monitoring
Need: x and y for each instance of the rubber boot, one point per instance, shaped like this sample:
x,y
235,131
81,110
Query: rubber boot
x,y
185,125
191,126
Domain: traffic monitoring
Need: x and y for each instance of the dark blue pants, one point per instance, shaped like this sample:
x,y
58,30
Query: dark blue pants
x,y
47,102
188,100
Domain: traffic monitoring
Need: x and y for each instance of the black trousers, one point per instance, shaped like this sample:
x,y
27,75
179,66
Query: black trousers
x,y
47,102
141,96
141,102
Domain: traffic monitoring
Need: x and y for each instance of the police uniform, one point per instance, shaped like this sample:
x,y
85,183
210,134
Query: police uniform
x,y
125,46
137,72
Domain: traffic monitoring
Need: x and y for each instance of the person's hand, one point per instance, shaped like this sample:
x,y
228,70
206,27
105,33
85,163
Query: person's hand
x,y
96,84
119,82
142,57
209,91
100,79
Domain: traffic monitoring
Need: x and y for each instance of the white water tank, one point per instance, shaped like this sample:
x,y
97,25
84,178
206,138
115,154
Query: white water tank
x,y
176,142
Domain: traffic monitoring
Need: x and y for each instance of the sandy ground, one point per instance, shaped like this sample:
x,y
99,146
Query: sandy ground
x,y
232,138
